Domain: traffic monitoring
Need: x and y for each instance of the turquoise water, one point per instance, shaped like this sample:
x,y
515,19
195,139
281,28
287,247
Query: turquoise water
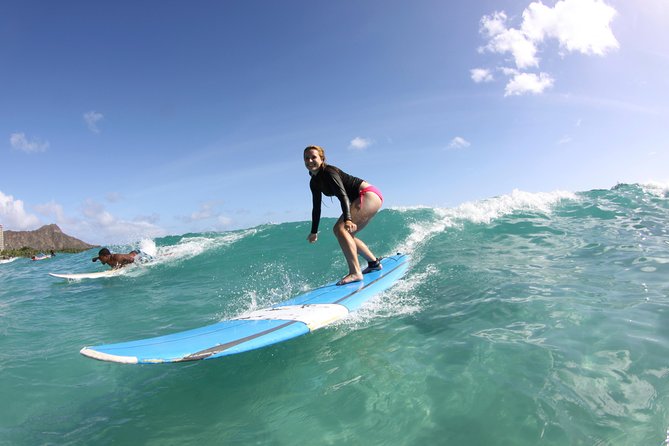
x,y
525,319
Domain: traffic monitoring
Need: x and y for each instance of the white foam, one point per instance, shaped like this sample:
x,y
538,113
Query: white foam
x,y
480,212
148,246
400,300
186,248
192,246
422,232
256,296
485,211
659,189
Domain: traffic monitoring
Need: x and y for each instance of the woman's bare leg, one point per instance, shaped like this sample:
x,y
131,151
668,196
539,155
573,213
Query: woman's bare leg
x,y
363,250
350,250
349,243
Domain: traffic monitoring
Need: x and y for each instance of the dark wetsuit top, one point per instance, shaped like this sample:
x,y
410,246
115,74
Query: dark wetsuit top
x,y
332,181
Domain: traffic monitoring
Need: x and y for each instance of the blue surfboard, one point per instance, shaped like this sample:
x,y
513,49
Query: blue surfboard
x,y
286,320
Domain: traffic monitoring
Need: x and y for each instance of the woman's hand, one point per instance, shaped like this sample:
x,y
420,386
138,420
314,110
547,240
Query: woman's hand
x,y
350,226
312,238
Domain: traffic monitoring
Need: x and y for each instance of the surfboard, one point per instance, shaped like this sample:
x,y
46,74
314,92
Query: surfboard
x,y
286,320
9,260
141,259
93,275
40,258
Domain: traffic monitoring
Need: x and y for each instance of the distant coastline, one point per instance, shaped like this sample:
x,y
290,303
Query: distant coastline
x,y
45,239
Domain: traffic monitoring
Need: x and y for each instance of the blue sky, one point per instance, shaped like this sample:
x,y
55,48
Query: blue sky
x,y
125,120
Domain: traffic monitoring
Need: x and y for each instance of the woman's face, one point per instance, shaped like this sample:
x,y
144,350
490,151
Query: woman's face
x,y
312,160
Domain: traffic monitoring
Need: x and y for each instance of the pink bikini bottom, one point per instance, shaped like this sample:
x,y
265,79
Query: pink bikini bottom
x,y
370,189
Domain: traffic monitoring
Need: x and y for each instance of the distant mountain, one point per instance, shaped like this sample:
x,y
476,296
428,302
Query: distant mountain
x,y
45,238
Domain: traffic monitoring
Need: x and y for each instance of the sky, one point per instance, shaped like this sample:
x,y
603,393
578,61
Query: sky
x,y
125,120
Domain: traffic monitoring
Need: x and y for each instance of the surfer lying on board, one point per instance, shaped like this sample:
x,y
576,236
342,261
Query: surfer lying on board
x,y
115,260
360,201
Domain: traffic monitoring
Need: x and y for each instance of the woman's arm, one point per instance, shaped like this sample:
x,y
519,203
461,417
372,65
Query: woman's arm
x,y
340,192
316,207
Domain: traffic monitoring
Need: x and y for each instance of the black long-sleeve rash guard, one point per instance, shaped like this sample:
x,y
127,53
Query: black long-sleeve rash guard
x,y
332,181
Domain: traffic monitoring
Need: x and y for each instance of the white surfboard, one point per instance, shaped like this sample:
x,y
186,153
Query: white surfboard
x,y
9,260
94,275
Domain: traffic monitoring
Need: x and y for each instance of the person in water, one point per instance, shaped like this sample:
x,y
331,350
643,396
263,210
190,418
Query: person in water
x,y
360,201
115,260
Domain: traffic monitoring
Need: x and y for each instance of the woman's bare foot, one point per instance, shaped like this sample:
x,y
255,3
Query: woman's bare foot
x,y
350,278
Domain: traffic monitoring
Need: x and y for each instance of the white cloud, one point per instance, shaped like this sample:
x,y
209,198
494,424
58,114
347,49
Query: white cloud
x,y
20,141
152,218
481,75
224,221
508,71
92,118
566,139
100,226
528,83
205,212
359,143
578,26
494,24
505,40
13,215
96,213
97,225
54,212
459,143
